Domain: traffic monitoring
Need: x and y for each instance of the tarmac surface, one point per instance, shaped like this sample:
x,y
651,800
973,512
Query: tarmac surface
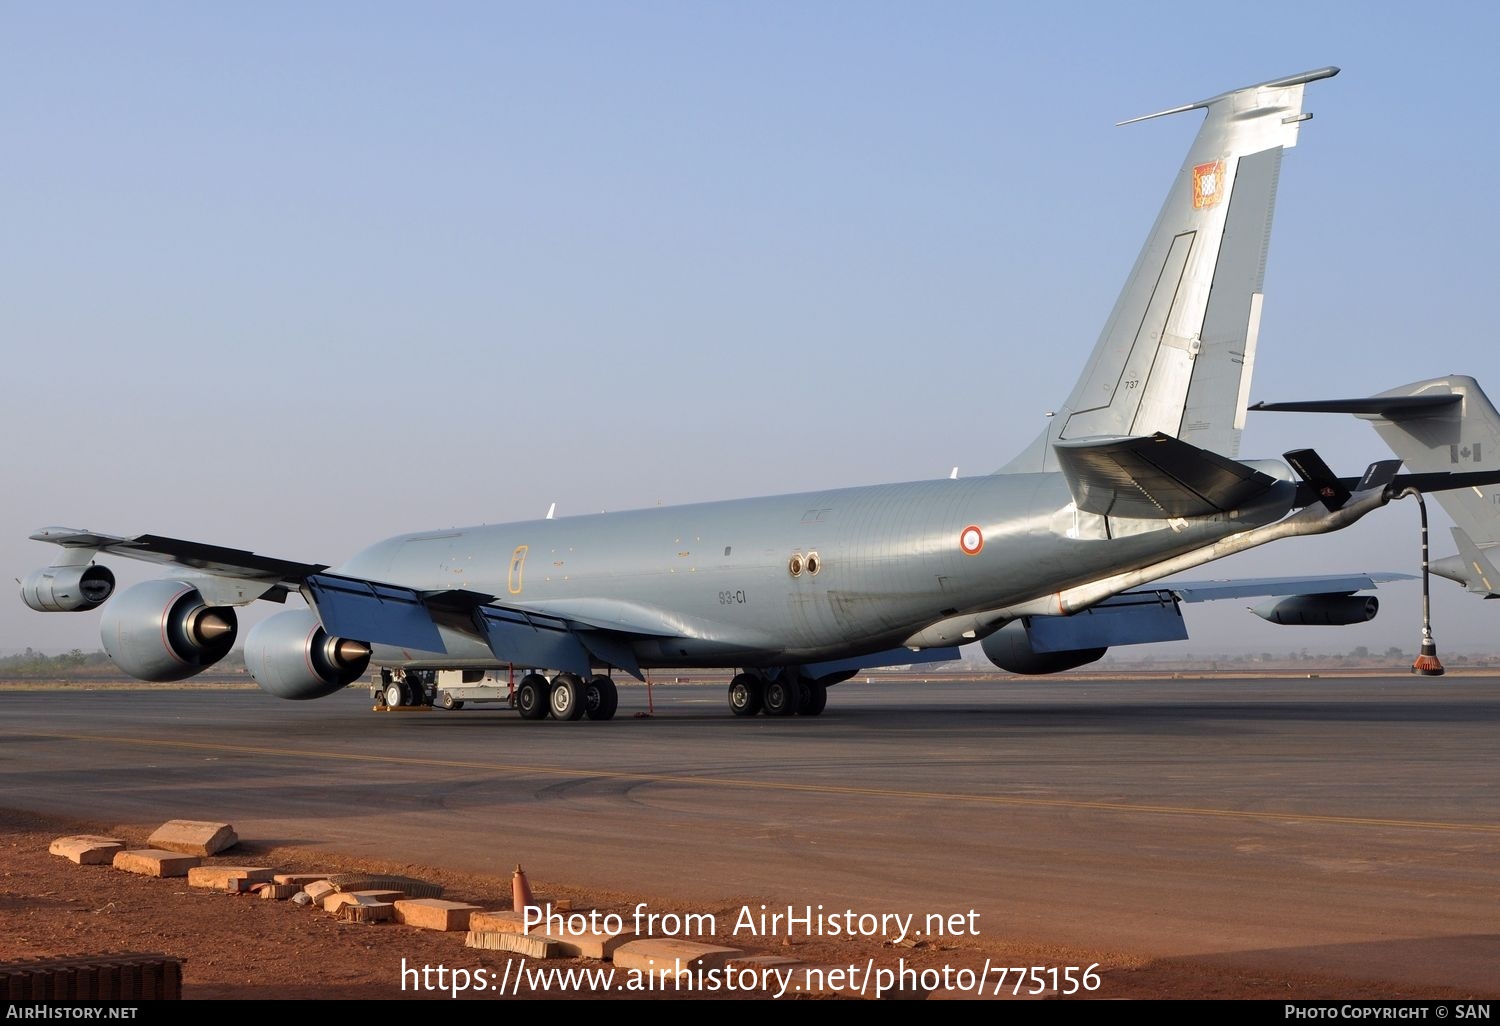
x,y
1349,827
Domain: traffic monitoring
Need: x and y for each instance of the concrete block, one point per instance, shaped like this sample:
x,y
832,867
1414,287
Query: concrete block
x,y
593,944
318,890
87,849
497,922
519,943
336,901
275,891
658,955
194,837
435,914
153,862
222,878
301,880
385,882
374,912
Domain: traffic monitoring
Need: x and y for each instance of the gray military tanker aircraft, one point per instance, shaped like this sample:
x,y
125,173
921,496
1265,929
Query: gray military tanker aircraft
x,y
1042,562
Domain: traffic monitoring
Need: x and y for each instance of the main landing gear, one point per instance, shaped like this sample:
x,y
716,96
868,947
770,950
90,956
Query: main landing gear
x,y
566,697
783,695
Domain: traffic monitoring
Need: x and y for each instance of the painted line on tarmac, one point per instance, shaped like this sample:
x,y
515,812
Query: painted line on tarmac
x,y
781,785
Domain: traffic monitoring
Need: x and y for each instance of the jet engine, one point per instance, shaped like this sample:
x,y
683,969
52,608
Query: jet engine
x,y
1010,649
67,589
1320,610
291,656
164,631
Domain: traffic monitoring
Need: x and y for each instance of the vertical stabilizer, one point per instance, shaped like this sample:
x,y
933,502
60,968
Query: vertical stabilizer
x,y
1460,436
1178,349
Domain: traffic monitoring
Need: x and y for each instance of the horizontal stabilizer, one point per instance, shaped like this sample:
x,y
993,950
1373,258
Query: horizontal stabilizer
x,y
1156,477
1392,407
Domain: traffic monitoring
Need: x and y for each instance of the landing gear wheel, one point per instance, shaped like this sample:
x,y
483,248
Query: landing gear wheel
x,y
747,694
600,698
814,699
783,695
448,702
531,697
395,694
566,699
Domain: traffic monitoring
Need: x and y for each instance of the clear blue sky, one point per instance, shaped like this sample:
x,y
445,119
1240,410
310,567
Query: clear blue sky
x,y
295,277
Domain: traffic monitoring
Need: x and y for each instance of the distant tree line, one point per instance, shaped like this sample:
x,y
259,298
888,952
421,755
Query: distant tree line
x,y
34,665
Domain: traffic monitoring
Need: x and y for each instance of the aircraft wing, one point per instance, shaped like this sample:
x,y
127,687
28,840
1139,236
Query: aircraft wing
x,y
153,548
1150,614
387,614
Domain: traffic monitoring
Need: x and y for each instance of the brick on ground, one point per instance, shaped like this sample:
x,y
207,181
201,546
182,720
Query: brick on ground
x,y
374,912
599,944
666,954
533,946
339,899
87,849
435,914
194,837
318,890
222,878
275,891
497,922
154,862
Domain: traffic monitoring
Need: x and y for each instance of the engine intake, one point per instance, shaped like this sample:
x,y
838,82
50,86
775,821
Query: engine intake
x,y
68,589
164,631
1010,649
291,656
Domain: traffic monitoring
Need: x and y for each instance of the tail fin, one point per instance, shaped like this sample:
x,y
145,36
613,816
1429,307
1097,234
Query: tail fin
x,y
1460,435
1440,426
1178,349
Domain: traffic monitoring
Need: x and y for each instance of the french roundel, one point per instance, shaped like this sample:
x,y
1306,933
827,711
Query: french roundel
x,y
971,540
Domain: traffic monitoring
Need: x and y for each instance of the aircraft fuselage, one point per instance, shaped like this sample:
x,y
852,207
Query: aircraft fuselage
x,y
875,565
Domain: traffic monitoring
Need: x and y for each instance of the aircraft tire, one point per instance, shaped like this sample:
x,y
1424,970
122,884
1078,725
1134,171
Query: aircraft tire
x,y
395,695
600,698
532,698
747,694
814,699
566,700
783,695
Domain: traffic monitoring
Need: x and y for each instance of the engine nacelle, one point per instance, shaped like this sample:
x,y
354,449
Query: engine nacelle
x,y
1010,649
291,656
67,589
1320,610
163,631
